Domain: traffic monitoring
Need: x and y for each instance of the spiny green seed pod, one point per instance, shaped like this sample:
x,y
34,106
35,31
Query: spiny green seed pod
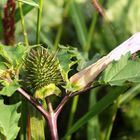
x,y
42,68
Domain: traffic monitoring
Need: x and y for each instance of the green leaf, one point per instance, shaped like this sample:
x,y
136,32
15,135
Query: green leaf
x,y
94,110
2,66
68,56
9,89
9,121
31,3
13,55
124,70
3,54
65,56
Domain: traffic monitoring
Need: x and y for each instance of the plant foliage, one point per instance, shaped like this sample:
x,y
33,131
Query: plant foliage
x,y
122,71
9,121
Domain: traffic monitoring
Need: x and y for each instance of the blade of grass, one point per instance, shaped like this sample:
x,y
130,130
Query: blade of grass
x,y
129,95
72,114
90,33
61,26
34,4
95,110
80,26
39,16
93,126
45,39
111,121
79,23
91,30
23,120
124,98
58,36
23,24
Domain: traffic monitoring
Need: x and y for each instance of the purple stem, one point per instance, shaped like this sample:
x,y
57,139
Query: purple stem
x,y
51,115
34,103
70,95
62,103
52,120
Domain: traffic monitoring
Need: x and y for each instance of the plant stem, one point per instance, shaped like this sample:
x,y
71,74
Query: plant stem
x,y
34,103
51,115
58,36
49,104
62,103
98,8
39,21
53,126
69,96
23,24
52,120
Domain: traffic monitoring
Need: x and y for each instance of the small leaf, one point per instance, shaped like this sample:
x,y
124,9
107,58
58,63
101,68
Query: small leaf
x,y
65,56
13,55
9,89
46,91
124,70
68,56
9,121
3,55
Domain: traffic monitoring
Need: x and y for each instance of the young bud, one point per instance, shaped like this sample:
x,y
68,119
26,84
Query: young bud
x,y
88,75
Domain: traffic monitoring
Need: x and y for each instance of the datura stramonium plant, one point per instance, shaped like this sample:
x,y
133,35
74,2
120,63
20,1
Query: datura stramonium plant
x,y
42,72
